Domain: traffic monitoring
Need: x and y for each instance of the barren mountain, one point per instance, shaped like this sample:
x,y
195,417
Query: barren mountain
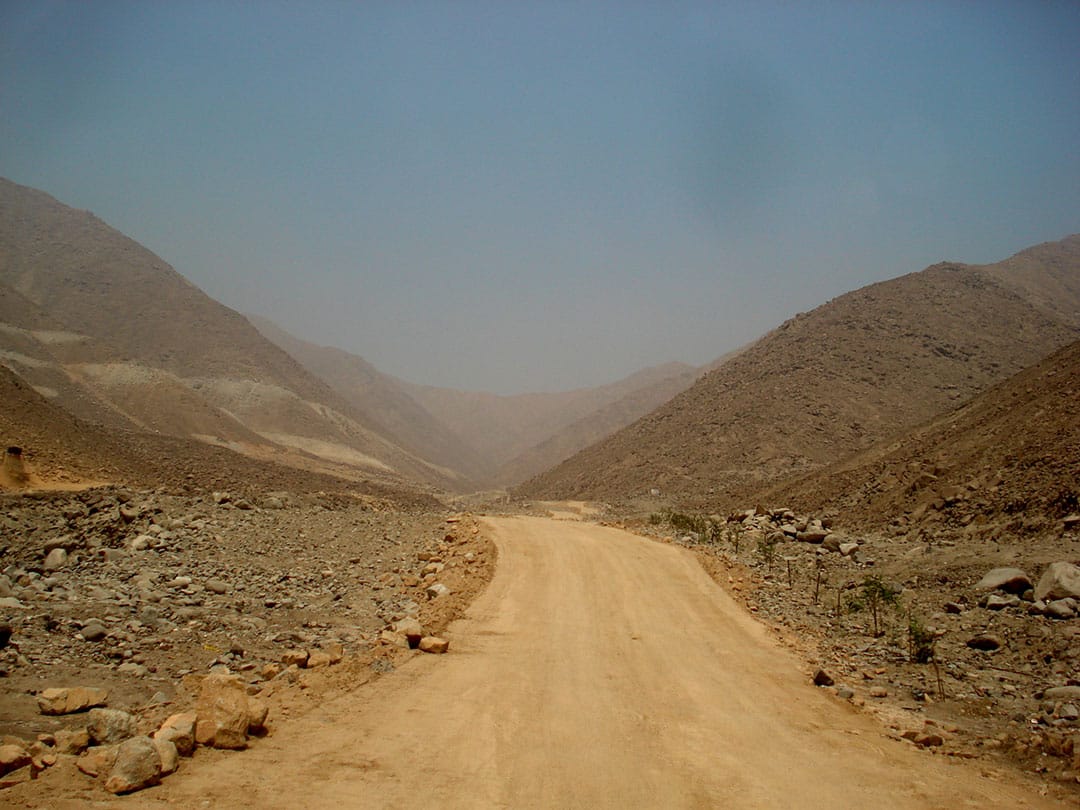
x,y
825,384
1010,456
111,332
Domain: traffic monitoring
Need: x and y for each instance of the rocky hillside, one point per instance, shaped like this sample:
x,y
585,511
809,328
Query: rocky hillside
x,y
863,367
110,332
1006,462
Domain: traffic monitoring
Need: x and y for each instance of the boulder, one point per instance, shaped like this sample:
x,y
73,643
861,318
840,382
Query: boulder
x,y
847,549
297,658
1060,581
1010,580
68,700
258,711
137,766
1061,609
223,713
823,678
179,729
109,726
812,534
318,658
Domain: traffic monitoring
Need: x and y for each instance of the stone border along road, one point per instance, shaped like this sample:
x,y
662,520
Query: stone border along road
x,y
600,670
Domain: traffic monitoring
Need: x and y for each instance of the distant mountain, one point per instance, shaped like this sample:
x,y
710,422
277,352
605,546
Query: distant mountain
x,y
110,332
1009,456
520,434
491,439
863,367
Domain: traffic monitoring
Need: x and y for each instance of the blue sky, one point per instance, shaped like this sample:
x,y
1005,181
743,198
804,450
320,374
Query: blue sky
x,y
539,196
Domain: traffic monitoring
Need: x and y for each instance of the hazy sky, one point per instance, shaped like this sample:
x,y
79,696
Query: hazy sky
x,y
537,196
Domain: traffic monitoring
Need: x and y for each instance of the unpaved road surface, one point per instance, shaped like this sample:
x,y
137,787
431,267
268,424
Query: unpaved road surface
x,y
598,670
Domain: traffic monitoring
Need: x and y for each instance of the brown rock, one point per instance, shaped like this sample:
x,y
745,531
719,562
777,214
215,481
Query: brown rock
x,y
223,713
411,629
984,641
1010,580
823,678
97,760
72,741
13,757
434,644
137,766
318,658
168,755
68,700
295,658
258,711
179,729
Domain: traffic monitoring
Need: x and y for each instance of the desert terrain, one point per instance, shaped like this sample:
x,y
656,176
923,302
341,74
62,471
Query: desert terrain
x,y
836,567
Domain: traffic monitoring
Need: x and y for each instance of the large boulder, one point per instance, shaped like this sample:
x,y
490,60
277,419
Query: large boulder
x,y
1010,580
68,700
223,713
137,766
1060,581
13,757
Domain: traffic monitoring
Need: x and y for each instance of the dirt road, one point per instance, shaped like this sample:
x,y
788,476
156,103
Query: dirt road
x,y
598,670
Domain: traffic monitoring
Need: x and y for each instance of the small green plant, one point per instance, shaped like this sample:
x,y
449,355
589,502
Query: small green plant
x,y
875,594
766,548
921,641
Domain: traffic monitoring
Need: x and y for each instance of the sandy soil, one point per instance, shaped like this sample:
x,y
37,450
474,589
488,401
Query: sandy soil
x,y
599,669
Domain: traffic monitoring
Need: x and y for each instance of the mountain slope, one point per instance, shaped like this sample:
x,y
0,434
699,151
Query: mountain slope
x,y
380,396
860,368
154,352
1011,454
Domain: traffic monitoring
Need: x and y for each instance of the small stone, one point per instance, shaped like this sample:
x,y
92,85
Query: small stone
x,y
93,630
929,740
1060,609
1056,693
434,644
297,658
953,607
985,641
878,692
217,586
318,658
56,559
998,601
435,590
823,678
844,693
